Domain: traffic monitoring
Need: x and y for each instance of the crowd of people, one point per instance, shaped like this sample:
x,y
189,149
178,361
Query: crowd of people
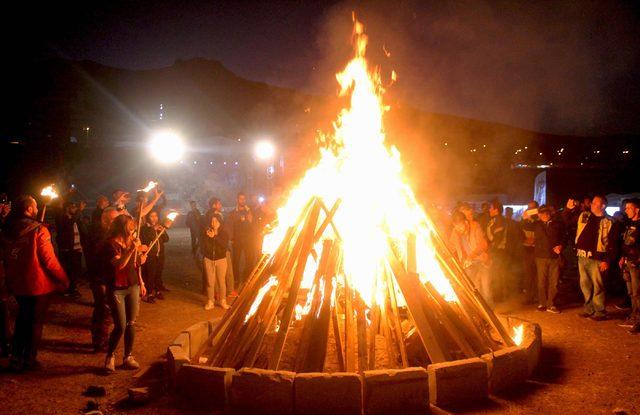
x,y
492,246
122,257
124,254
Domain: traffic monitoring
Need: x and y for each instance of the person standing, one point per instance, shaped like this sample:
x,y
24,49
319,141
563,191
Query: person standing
x,y
100,320
194,223
497,236
593,249
152,270
528,227
33,273
471,249
242,234
549,244
124,287
215,241
630,262
70,231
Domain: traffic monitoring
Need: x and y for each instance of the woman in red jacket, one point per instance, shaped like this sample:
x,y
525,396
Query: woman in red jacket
x,y
124,287
33,274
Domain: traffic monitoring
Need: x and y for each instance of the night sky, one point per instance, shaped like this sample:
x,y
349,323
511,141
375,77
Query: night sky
x,y
560,67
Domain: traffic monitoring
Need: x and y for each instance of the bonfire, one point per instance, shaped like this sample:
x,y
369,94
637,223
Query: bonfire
x,y
353,274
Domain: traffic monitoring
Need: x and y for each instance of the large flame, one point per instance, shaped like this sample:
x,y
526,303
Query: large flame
x,y
357,167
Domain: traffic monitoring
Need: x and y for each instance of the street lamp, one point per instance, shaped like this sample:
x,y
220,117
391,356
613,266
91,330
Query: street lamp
x,y
264,150
166,146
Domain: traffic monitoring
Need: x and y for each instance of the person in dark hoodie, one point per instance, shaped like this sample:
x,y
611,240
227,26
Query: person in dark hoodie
x,y
549,243
630,262
214,243
33,274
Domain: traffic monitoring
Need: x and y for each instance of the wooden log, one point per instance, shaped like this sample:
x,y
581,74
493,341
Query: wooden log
x,y
307,240
317,349
415,296
299,259
338,336
309,319
328,220
412,263
328,213
361,328
464,281
395,319
349,326
388,337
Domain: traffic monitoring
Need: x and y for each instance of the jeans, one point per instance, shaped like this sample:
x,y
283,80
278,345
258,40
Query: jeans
x,y
240,250
216,272
592,286
633,286
100,320
481,278
548,276
32,311
194,232
125,304
229,277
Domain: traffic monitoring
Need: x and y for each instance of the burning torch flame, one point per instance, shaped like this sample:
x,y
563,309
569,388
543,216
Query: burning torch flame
x,y
518,334
172,216
149,187
49,191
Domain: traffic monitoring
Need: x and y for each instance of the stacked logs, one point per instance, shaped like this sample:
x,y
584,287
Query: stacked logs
x,y
254,332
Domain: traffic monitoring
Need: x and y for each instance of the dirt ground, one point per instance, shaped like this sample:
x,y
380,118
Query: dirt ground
x,y
586,367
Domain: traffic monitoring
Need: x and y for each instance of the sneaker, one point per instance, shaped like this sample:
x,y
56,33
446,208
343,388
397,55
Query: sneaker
x,y
541,308
209,305
635,329
628,323
553,309
110,363
224,305
130,363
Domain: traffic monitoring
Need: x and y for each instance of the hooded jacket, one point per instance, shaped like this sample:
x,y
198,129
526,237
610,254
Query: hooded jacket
x,y
30,261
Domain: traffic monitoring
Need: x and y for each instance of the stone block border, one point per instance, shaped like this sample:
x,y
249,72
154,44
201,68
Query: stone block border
x,y
411,390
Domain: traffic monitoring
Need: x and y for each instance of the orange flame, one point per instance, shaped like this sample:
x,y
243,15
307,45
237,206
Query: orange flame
x,y
359,168
150,186
518,334
50,192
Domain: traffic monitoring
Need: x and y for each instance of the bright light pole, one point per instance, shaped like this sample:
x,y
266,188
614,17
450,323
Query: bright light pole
x,y
166,146
265,150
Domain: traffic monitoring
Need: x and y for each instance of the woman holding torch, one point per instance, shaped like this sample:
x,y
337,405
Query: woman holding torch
x,y
215,241
124,287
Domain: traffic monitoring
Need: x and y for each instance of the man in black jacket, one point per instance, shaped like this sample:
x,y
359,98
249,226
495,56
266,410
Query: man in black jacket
x,y
549,242
69,231
242,234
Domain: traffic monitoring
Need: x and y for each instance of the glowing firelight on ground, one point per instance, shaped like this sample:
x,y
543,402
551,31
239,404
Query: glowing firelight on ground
x,y
377,205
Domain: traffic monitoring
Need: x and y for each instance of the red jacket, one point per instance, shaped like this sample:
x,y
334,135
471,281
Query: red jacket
x,y
31,264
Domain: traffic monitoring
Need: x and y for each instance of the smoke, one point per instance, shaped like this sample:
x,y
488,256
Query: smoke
x,y
555,67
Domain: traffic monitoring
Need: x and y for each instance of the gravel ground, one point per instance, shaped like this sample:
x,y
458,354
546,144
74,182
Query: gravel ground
x,y
585,367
